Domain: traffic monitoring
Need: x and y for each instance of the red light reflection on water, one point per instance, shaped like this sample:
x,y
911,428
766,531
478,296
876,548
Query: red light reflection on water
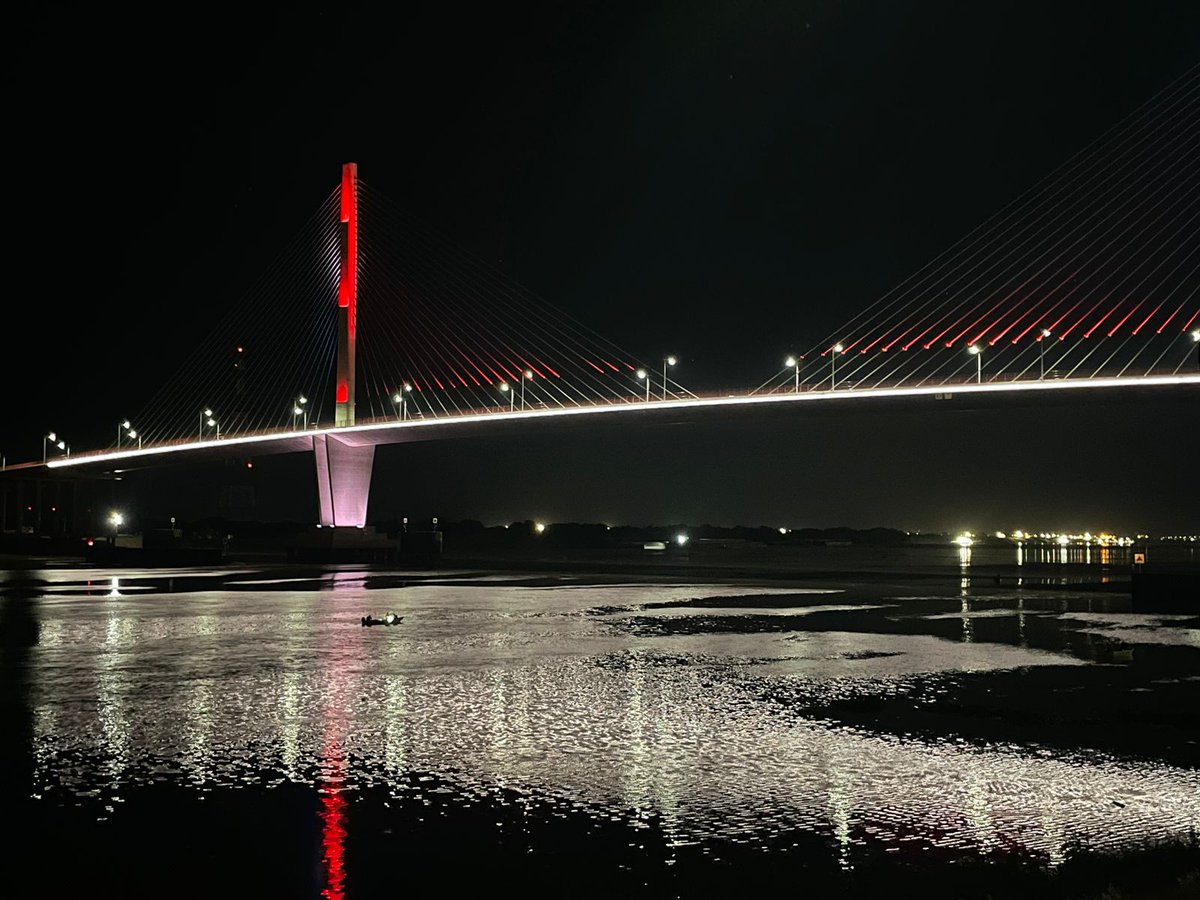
x,y
333,818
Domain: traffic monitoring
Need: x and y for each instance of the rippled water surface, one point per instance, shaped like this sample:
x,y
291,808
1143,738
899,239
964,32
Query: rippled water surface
x,y
677,722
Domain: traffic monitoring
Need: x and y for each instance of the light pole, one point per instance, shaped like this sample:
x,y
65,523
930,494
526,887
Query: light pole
x,y
1042,352
1196,341
512,395
53,439
400,398
528,377
642,376
837,348
976,351
132,434
667,361
793,362
116,520
300,408
211,423
205,416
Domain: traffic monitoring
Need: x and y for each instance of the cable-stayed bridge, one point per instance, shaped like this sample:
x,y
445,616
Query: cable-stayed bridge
x,y
369,328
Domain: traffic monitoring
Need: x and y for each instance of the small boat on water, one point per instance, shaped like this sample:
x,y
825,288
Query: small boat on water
x,y
388,619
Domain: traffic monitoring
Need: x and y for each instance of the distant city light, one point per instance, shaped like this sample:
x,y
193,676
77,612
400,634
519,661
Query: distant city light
x,y
783,531
681,539
964,539
1063,540
539,527
1001,535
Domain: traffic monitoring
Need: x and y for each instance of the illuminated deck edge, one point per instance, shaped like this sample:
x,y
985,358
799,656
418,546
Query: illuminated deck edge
x,y
650,406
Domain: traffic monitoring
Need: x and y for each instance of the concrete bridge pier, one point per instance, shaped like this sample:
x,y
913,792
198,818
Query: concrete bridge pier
x,y
343,480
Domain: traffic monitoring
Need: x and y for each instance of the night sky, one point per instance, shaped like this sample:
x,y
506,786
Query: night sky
x,y
726,182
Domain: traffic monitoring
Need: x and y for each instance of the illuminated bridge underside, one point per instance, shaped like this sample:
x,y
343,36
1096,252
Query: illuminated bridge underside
x,y
344,455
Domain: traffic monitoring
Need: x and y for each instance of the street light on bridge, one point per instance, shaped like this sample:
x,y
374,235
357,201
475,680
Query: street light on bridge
x,y
643,376
512,395
793,362
400,398
210,422
976,351
300,408
667,361
133,435
837,348
56,441
1042,352
528,377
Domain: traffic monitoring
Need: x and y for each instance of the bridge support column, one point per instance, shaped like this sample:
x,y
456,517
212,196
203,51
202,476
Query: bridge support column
x,y
347,320
343,480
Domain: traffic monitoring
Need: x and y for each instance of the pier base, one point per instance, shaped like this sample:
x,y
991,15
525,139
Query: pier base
x,y
343,481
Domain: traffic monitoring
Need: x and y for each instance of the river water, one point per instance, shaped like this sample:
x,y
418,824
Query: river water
x,y
180,732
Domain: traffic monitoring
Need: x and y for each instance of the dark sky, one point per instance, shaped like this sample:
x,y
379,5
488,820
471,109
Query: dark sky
x,y
723,181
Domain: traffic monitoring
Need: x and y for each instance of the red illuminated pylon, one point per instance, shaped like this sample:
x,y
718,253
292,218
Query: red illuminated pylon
x,y
347,296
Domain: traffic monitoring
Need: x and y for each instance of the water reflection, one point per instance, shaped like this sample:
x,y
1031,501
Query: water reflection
x,y
532,690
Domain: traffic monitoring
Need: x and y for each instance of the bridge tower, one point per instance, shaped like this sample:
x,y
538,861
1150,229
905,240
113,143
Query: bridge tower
x,y
347,296
344,467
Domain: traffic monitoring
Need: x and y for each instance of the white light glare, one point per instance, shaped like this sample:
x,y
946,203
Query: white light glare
x,y
681,539
117,520
539,527
973,349
964,539
790,362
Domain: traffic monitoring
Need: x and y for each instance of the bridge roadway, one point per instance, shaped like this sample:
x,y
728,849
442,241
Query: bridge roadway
x,y
378,431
